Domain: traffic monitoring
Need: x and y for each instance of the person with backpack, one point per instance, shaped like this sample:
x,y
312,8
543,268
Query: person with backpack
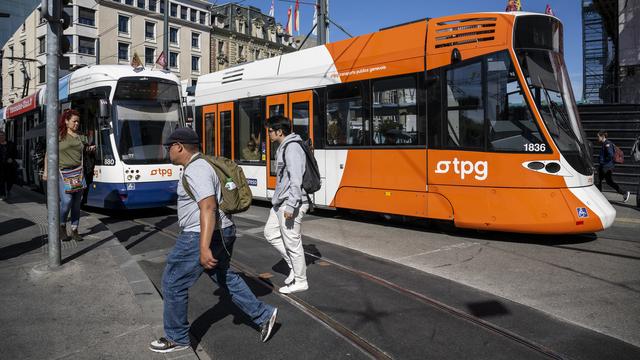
x,y
290,203
606,163
204,244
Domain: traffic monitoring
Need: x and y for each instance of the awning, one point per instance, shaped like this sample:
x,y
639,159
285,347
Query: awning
x,y
27,104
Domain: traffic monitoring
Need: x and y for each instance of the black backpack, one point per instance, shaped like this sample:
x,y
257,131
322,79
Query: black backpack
x,y
311,181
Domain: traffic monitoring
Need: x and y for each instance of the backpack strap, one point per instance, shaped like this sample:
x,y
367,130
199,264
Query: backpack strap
x,y
185,183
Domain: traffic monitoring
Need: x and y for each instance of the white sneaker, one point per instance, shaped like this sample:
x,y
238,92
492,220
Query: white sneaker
x,y
626,196
290,278
295,287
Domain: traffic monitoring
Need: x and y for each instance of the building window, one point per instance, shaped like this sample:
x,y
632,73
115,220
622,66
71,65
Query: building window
x,y
195,63
173,35
195,40
69,11
153,5
174,10
161,6
149,30
173,60
257,54
11,54
241,57
194,15
42,45
141,4
149,55
123,24
11,82
202,17
24,48
86,16
42,74
70,40
86,45
128,2
123,51
183,12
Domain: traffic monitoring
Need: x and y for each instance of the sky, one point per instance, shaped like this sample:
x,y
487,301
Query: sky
x,y
365,16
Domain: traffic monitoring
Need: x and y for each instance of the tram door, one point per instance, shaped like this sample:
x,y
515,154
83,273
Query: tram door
x,y
276,105
217,130
299,108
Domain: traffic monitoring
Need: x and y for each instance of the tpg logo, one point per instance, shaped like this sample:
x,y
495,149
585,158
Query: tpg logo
x,y
480,168
162,172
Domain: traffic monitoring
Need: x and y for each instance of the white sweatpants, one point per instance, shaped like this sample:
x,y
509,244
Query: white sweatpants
x,y
285,235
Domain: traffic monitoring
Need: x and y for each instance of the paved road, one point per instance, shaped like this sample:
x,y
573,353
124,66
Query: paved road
x,y
409,291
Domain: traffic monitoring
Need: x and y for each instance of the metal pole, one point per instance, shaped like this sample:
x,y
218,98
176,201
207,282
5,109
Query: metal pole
x,y
322,22
52,105
165,43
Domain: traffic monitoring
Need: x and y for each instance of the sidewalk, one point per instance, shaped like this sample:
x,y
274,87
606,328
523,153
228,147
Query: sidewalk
x,y
99,304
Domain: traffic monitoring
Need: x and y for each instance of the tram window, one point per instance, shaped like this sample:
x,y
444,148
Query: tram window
x,y
300,118
465,113
250,126
434,108
209,133
511,123
395,112
277,109
225,134
104,152
346,124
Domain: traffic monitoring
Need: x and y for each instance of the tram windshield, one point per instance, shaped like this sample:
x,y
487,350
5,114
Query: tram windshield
x,y
538,43
145,113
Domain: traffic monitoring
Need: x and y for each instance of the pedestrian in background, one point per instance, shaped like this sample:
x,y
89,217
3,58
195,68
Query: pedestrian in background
x,y
606,165
290,204
205,244
71,148
8,166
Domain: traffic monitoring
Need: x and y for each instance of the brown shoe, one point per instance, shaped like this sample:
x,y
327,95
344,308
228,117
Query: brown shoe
x,y
75,236
63,233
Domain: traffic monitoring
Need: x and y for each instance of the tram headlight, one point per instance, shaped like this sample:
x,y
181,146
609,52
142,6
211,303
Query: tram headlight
x,y
129,177
138,177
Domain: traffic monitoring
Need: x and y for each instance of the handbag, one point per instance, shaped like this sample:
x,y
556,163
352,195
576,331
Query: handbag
x,y
73,179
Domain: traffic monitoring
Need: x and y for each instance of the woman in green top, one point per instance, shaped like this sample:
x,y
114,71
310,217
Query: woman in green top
x,y
70,149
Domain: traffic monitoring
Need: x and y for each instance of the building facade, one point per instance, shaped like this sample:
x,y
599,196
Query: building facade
x,y
241,34
111,32
611,51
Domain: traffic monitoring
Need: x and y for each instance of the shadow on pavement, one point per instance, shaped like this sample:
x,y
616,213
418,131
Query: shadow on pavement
x,y
18,249
13,225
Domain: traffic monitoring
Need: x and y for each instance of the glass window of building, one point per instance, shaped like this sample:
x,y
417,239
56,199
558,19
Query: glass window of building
x,y
123,24
183,12
195,63
194,15
11,54
69,11
173,60
86,45
195,40
86,16
202,17
153,5
173,35
11,81
42,45
149,30
173,10
23,45
128,2
42,74
123,51
162,7
141,4
149,55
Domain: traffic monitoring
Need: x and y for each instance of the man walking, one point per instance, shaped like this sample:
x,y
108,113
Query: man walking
x,y
290,203
606,165
205,244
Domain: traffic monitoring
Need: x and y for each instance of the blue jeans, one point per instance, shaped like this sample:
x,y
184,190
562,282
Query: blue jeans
x,y
69,202
183,269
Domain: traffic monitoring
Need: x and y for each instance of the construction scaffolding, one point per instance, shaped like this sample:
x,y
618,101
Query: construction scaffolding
x,y
600,69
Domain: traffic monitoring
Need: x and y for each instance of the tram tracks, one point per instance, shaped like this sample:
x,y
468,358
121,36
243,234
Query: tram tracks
x,y
360,342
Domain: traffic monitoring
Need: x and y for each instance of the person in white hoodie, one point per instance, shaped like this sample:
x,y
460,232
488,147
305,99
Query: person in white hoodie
x,y
290,204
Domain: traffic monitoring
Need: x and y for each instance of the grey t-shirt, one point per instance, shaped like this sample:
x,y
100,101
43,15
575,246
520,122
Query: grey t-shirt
x,y
203,183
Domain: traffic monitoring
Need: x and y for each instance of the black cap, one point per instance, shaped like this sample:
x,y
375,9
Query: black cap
x,y
183,136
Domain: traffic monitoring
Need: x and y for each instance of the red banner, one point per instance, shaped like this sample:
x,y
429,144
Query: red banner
x,y
22,106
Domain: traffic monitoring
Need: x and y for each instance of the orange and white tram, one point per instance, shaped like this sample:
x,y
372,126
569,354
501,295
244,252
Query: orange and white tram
x,y
469,118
